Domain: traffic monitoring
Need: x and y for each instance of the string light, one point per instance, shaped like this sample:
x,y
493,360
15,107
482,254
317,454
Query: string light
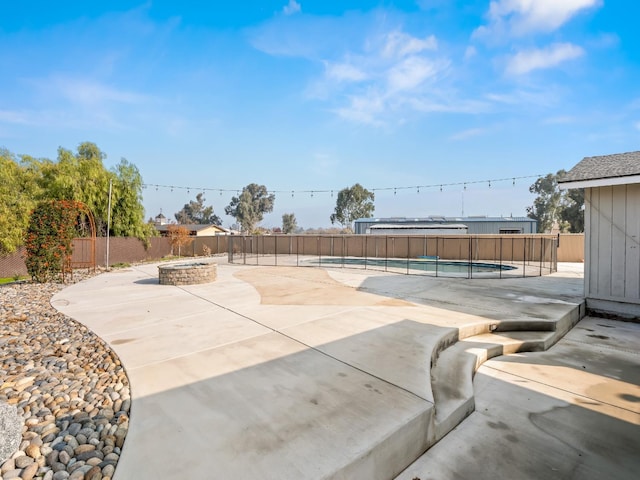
x,y
417,188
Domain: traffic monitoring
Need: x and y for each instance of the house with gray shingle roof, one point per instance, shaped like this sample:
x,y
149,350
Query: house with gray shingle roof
x,y
612,231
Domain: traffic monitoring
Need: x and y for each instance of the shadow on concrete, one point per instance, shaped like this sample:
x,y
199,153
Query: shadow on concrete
x,y
531,424
147,281
517,432
300,413
270,407
545,298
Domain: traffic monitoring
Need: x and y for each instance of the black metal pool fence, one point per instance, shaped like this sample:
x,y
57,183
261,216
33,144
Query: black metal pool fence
x,y
462,256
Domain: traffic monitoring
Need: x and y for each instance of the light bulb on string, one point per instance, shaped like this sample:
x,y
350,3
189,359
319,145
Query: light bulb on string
x,y
440,187
394,191
514,181
418,189
291,193
489,183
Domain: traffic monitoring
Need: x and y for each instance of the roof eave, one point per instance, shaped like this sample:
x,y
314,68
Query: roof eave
x,y
599,182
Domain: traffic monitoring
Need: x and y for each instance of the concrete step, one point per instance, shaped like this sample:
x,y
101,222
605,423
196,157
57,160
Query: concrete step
x,y
452,375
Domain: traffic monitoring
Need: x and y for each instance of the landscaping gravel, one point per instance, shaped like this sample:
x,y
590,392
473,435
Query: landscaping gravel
x,y
67,386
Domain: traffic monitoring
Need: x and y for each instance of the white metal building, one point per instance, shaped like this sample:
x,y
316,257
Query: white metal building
x,y
417,229
612,231
461,225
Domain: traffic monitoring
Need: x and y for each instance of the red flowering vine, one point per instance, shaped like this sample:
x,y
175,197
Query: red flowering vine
x,y
49,238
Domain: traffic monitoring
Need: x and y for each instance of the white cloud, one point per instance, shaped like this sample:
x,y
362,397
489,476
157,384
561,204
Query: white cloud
x,y
412,72
382,77
605,41
364,109
448,105
464,134
344,72
470,52
9,116
535,59
90,92
291,8
322,164
399,44
522,17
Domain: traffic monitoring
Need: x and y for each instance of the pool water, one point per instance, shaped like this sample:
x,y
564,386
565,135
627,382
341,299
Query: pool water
x,y
420,264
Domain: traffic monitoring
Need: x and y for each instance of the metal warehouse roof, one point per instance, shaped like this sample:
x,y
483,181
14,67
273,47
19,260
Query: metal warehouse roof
x,y
436,218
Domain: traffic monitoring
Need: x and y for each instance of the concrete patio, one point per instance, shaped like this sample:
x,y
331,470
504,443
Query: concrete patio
x,y
284,372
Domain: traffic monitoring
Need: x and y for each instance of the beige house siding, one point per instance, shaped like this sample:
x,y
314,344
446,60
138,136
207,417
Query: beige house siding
x,y
612,223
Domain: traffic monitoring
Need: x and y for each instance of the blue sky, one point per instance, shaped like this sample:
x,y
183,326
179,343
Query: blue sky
x,y
308,97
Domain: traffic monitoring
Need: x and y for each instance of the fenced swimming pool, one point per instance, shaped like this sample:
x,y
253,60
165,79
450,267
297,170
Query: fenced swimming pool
x,y
429,264
462,256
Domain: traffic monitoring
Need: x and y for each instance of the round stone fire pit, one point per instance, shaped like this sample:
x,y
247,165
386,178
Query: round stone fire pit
x,y
187,273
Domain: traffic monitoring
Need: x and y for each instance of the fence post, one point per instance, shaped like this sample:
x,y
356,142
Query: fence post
x,y
386,252
470,267
541,253
524,257
365,251
408,248
500,257
437,253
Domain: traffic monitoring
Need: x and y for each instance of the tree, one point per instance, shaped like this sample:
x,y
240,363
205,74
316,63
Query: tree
x,y
18,194
289,223
81,177
351,204
196,212
249,207
127,212
178,237
77,176
546,206
572,210
555,207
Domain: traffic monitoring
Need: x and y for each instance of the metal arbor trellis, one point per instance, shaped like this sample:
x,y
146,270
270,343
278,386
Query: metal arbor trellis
x,y
84,247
